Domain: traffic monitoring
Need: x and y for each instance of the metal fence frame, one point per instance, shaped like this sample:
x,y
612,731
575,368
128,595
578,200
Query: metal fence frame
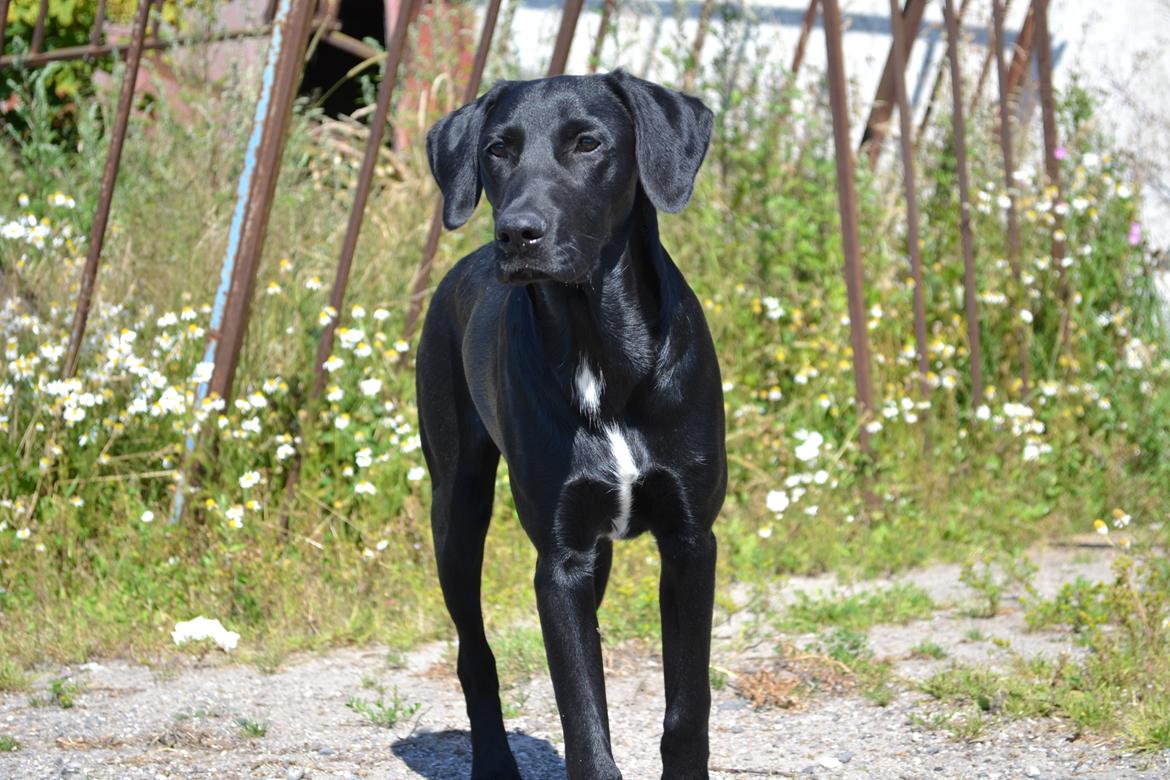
x,y
290,23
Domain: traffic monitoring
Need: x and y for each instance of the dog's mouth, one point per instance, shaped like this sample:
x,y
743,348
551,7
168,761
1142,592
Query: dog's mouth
x,y
518,272
526,269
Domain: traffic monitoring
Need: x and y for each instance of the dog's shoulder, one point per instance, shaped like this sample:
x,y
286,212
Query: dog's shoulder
x,y
467,281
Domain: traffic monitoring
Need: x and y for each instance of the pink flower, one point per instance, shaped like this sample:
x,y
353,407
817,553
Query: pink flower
x,y
1060,153
1135,233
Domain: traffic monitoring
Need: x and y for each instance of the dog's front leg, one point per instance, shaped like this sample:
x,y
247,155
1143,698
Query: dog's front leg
x,y
567,604
687,596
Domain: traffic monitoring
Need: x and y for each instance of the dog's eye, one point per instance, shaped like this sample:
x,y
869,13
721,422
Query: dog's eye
x,y
497,149
587,143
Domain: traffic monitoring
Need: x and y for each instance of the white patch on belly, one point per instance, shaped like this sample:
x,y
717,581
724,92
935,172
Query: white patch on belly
x,y
625,472
589,387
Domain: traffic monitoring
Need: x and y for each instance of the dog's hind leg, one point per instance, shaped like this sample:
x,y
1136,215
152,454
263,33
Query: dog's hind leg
x,y
462,461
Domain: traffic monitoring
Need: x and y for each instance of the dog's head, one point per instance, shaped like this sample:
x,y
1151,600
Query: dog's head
x,y
561,160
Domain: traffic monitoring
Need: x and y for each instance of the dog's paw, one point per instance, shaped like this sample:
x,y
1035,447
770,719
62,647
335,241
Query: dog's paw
x,y
501,770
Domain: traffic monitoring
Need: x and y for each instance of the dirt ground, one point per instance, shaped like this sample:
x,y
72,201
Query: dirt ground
x,y
132,721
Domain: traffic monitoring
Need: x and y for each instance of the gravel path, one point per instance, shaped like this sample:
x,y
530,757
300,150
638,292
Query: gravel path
x,y
134,722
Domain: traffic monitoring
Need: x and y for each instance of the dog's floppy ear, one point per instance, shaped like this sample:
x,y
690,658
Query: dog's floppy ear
x,y
452,150
672,131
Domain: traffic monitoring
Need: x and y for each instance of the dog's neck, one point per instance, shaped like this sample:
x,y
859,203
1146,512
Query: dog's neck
x,y
601,336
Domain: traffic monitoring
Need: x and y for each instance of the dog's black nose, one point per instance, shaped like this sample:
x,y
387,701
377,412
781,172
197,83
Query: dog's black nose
x,y
517,232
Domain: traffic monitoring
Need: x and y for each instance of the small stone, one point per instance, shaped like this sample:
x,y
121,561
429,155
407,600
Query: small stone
x,y
829,762
1031,771
294,773
72,768
326,751
732,705
845,756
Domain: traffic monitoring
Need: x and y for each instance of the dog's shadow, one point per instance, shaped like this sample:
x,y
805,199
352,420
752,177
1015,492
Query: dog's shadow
x,y
446,755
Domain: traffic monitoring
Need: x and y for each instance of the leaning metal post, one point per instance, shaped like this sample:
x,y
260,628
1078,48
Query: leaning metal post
x,y
560,55
97,232
1022,52
882,108
810,16
237,281
1052,163
692,71
607,8
3,23
394,52
1009,182
906,127
847,200
38,36
969,284
423,274
936,87
99,21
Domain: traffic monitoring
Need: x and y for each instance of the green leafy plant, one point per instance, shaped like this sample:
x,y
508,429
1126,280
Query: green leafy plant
x,y
62,693
252,729
383,712
992,576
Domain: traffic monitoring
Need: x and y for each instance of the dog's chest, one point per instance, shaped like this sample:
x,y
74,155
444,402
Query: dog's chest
x,y
605,451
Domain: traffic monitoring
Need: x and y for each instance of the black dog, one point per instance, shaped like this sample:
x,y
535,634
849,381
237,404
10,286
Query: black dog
x,y
573,345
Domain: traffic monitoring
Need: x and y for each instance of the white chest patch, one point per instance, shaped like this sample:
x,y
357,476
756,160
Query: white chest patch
x,y
589,386
625,473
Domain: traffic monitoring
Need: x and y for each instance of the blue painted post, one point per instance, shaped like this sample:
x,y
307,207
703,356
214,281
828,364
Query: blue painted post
x,y
237,279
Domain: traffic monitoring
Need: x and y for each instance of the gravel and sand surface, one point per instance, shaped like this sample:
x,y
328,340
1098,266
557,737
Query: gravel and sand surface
x,y
134,721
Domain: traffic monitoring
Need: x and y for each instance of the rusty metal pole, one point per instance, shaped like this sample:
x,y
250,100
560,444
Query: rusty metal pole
x,y
906,127
607,9
230,311
101,218
692,70
282,75
3,23
86,51
560,55
38,36
877,125
810,16
395,50
422,275
847,201
988,59
1009,182
960,131
936,87
1022,52
1052,162
99,21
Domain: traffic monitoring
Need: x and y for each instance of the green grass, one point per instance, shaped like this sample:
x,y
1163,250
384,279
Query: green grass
x,y
928,649
381,711
520,655
12,677
8,743
251,729
1120,686
61,693
900,603
962,727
